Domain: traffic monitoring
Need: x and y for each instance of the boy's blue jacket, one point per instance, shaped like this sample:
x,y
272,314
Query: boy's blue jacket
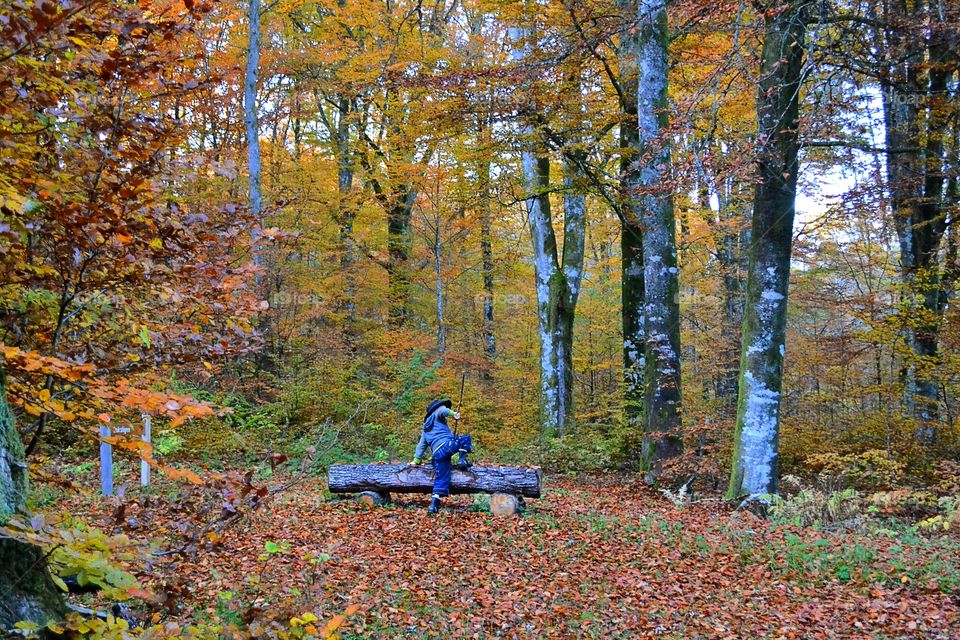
x,y
435,431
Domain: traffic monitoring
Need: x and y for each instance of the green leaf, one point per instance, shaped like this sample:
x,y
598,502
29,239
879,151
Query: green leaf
x,y
60,583
272,547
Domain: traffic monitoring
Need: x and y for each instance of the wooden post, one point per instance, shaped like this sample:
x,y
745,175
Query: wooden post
x,y
144,467
106,462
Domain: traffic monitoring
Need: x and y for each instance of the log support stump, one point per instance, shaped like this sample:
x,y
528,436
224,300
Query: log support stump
x,y
374,498
506,504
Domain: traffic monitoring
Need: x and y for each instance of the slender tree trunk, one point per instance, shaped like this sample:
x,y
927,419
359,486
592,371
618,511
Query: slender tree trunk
x,y
663,427
484,141
755,468
346,212
631,231
250,108
438,272
27,591
730,250
486,251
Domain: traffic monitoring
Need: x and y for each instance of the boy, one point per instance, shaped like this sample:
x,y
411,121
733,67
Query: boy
x,y
443,444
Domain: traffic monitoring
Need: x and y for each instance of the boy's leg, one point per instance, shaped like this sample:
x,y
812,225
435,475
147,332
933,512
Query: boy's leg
x,y
465,446
441,479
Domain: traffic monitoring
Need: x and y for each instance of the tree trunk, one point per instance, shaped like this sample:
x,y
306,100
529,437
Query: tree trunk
x,y
663,427
438,272
398,251
914,88
486,251
631,232
484,141
250,107
405,478
731,245
27,591
755,468
557,284
345,210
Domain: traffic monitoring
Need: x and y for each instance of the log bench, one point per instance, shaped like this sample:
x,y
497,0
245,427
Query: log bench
x,y
374,483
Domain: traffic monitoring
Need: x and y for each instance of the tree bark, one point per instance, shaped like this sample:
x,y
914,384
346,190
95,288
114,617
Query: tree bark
x,y
755,468
405,478
663,427
26,590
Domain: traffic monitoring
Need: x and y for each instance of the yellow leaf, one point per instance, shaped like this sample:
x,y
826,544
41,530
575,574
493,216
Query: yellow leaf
x,y
44,395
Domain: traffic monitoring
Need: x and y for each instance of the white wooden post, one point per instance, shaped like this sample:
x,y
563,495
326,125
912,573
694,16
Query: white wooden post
x,y
106,462
144,467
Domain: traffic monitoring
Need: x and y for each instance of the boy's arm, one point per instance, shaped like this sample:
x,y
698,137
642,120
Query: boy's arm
x,y
446,411
421,449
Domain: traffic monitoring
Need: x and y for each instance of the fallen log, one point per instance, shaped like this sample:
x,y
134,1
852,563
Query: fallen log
x,y
407,478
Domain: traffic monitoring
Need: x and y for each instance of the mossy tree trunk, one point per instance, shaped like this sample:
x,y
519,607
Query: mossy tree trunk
x,y
26,590
661,305
755,468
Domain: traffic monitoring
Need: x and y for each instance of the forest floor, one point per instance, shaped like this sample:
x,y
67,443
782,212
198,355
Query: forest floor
x,y
592,558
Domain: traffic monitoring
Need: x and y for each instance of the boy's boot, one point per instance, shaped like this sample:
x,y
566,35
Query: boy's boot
x,y
434,505
464,464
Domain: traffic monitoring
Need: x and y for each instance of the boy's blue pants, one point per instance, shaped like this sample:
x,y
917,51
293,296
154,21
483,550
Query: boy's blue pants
x,y
442,465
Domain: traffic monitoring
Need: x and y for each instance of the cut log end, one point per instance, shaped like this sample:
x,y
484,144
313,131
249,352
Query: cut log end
x,y
505,504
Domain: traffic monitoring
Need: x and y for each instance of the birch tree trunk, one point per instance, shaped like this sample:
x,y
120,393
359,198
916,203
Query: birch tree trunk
x,y
27,591
557,284
663,437
755,468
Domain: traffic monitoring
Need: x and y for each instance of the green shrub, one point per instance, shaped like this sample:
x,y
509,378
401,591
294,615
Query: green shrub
x,y
811,507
